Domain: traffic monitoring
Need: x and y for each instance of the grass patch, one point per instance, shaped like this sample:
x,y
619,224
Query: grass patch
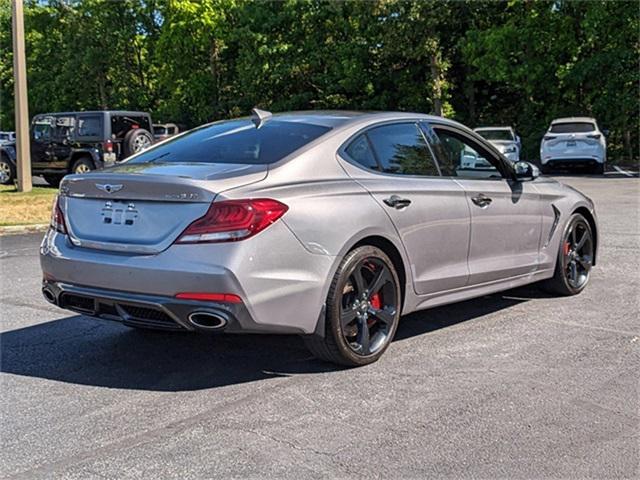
x,y
25,208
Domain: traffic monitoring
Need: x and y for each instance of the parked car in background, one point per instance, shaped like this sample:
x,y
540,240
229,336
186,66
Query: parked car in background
x,y
504,139
325,224
7,137
78,142
574,142
164,130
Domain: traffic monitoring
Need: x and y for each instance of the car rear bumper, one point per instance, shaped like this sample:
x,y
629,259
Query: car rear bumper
x,y
276,297
569,162
155,311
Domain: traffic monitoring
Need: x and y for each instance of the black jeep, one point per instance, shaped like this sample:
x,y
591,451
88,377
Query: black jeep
x,y
77,142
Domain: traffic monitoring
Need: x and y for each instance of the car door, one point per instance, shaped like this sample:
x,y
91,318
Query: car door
x,y
430,213
63,138
506,214
41,141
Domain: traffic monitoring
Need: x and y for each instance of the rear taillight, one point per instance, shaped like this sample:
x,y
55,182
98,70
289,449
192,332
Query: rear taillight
x,y
57,218
233,220
594,136
107,146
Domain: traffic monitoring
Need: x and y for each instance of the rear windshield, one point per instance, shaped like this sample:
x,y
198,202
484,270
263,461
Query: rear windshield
x,y
236,141
495,134
575,127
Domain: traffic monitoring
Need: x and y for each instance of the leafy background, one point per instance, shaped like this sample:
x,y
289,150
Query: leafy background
x,y
519,63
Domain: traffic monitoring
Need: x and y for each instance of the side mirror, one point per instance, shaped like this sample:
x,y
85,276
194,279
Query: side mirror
x,y
526,171
518,141
605,132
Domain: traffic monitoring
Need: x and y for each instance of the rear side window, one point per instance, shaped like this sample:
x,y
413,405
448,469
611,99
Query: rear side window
x,y
360,151
235,141
90,126
575,127
401,149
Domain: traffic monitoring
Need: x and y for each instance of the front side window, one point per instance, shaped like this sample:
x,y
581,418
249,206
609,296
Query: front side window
x,y
574,127
235,141
42,127
401,149
461,157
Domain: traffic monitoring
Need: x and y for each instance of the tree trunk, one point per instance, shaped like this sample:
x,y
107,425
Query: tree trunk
x,y
436,90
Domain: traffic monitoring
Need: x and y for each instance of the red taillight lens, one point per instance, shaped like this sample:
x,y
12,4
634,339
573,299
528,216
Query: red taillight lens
x,y
210,297
57,218
233,220
108,146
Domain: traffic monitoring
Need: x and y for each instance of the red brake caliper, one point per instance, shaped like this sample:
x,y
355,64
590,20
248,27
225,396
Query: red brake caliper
x,y
567,248
376,302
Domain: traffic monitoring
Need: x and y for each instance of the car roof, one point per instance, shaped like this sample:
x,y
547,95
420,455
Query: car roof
x,y
573,119
345,118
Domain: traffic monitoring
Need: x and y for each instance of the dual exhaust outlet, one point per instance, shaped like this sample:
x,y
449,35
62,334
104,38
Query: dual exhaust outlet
x,y
202,320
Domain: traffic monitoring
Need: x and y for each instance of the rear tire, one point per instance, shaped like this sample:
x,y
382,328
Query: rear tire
x,y
599,169
362,310
83,165
575,258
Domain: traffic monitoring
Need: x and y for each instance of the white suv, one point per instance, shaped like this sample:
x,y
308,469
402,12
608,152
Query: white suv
x,y
575,141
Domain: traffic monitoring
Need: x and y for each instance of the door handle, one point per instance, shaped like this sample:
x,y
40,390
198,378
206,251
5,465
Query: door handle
x,y
397,202
481,200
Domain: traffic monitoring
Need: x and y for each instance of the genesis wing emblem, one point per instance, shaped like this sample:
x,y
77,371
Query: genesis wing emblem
x,y
107,187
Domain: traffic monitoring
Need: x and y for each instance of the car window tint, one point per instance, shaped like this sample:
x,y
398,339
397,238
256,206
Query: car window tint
x,y
90,126
401,149
574,127
235,141
360,151
460,157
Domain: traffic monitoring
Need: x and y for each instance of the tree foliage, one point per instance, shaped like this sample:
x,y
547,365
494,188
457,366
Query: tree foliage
x,y
193,61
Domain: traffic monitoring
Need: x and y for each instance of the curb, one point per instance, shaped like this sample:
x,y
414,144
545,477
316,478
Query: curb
x,y
21,229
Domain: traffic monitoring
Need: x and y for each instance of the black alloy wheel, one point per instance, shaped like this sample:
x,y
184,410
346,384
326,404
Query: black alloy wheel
x,y
362,310
575,258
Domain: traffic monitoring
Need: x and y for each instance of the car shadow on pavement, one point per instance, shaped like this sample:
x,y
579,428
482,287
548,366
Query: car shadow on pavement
x,y
93,352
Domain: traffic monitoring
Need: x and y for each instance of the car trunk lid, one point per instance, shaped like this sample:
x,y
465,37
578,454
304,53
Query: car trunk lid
x,y
143,208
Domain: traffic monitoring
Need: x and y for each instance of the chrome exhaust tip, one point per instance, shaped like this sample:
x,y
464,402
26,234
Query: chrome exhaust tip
x,y
49,296
207,320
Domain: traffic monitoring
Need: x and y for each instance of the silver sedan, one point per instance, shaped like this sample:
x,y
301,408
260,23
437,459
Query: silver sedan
x,y
330,225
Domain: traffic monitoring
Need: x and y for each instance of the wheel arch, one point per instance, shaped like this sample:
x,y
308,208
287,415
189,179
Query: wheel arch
x,y
586,213
79,154
390,249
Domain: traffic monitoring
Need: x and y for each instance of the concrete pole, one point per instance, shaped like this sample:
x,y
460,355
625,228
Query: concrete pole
x,y
23,160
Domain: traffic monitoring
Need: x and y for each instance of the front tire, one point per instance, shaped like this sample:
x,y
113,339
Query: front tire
x,y
362,310
575,258
7,171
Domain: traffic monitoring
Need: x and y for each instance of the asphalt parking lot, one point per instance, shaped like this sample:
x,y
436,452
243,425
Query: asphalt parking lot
x,y
513,385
